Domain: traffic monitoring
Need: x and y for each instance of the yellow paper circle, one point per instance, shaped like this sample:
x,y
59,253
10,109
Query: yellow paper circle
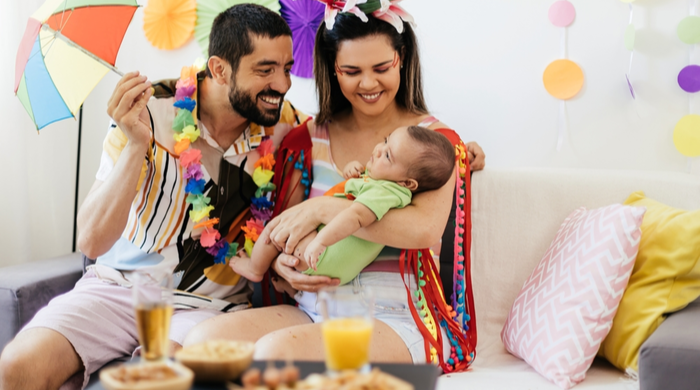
x,y
168,24
563,79
686,135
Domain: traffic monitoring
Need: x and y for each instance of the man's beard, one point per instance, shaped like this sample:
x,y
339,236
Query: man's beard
x,y
246,105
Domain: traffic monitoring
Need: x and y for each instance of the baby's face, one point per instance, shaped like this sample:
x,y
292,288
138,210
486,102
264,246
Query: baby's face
x,y
391,158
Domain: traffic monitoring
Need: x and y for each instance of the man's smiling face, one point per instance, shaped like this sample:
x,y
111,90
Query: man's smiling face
x,y
262,80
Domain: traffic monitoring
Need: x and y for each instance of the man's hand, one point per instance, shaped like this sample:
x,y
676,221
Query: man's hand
x,y
287,229
353,170
477,158
312,253
127,107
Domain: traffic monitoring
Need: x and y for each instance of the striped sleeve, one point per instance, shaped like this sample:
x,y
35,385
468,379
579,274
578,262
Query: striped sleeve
x,y
112,147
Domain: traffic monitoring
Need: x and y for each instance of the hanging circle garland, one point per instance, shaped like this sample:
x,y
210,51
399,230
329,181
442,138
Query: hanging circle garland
x,y
168,24
686,135
689,79
630,35
688,30
303,17
562,13
563,79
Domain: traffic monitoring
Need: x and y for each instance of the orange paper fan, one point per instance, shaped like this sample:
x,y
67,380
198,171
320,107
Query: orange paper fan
x,y
168,24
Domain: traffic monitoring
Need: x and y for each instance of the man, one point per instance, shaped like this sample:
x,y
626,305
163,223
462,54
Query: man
x,y
136,216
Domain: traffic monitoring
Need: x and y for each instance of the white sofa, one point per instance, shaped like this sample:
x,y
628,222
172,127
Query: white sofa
x,y
515,215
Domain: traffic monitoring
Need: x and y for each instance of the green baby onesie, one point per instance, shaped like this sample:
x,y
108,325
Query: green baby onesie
x,y
345,259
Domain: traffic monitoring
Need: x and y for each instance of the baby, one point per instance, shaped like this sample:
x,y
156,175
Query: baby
x,y
411,160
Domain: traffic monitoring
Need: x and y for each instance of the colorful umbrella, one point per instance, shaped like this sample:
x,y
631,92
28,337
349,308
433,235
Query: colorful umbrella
x,y
67,47
303,17
208,10
168,24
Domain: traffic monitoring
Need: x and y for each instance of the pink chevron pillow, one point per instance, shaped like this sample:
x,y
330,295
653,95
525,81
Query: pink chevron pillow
x,y
566,307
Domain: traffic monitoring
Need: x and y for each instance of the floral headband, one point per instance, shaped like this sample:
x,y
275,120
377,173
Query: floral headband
x,y
386,10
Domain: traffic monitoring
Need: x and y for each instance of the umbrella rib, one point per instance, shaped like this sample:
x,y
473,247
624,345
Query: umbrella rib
x,y
63,13
82,49
64,24
41,48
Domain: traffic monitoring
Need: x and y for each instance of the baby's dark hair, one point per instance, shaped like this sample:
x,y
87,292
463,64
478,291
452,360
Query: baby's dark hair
x,y
433,167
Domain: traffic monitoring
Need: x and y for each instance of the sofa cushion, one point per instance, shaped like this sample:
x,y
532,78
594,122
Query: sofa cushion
x,y
566,306
516,212
26,288
666,278
669,358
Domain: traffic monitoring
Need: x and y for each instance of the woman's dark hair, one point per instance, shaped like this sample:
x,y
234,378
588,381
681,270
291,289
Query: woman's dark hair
x,y
233,29
349,27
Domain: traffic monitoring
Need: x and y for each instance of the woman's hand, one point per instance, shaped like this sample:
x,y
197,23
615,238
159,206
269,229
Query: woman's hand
x,y
477,158
295,223
284,266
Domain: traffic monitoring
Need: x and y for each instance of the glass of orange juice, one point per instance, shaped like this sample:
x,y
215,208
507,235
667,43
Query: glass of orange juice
x,y
152,293
347,327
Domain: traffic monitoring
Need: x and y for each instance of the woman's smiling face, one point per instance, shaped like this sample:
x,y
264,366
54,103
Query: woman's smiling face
x,y
368,71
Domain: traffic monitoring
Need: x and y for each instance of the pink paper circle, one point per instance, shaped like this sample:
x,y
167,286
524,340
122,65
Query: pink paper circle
x,y
562,13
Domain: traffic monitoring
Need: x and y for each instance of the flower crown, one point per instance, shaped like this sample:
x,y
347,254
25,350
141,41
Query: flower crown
x,y
386,10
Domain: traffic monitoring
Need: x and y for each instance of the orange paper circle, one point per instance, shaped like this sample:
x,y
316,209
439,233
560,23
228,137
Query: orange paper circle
x,y
168,24
563,79
686,135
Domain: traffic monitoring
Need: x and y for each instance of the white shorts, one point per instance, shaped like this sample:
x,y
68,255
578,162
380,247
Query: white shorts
x,y
391,307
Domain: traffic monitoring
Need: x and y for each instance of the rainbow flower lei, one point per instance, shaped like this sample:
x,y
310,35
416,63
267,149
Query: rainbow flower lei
x,y
186,133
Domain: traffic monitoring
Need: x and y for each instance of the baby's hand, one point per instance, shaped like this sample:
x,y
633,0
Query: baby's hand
x,y
353,170
313,251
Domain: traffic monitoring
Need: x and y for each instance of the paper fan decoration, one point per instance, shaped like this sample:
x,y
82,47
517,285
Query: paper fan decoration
x,y
303,17
208,10
168,24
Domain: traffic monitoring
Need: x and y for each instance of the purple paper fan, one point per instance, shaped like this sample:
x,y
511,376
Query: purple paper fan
x,y
303,17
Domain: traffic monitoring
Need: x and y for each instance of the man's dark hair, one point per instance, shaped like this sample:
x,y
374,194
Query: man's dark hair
x,y
434,165
232,32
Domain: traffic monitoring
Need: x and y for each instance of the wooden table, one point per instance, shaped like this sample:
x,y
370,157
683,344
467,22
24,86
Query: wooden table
x,y
421,376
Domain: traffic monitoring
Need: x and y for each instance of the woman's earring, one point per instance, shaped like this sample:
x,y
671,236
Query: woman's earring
x,y
335,74
401,66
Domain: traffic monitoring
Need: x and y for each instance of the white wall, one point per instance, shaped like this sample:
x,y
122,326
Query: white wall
x,y
483,63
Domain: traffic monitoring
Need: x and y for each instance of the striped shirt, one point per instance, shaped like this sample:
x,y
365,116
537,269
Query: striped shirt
x,y
159,232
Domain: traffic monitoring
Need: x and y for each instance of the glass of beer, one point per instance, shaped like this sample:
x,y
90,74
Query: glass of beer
x,y
153,302
347,327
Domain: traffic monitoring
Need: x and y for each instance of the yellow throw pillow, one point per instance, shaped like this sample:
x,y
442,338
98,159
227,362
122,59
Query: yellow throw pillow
x,y
666,278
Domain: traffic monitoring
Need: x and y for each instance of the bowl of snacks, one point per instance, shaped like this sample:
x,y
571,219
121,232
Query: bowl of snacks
x,y
147,376
217,360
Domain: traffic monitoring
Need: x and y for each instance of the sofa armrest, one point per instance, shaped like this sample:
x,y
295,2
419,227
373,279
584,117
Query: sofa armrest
x,y
669,358
26,288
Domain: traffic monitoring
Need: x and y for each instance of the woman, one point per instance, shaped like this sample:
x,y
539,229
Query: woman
x,y
368,78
